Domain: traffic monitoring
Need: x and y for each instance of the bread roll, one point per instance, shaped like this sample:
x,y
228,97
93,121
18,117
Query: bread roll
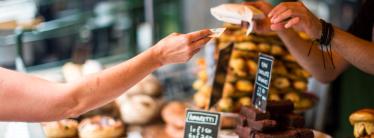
x,y
363,122
101,127
61,129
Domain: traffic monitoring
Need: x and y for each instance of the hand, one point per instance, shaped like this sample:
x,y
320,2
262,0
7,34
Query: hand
x,y
179,48
295,15
261,26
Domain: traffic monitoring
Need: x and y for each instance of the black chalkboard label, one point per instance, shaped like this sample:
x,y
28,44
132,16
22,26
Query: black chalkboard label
x,y
262,82
202,124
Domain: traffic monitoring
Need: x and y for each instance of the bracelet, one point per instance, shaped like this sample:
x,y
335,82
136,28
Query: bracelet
x,y
325,42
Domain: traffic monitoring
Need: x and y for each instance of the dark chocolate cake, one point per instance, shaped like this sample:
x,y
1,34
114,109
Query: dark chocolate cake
x,y
279,121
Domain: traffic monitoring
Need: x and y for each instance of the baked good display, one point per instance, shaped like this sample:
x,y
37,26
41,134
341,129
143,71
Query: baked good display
x,y
101,127
289,79
111,109
73,72
141,104
279,121
138,109
174,115
65,128
150,85
363,123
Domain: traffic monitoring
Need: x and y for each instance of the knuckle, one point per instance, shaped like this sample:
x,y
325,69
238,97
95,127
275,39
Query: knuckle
x,y
185,39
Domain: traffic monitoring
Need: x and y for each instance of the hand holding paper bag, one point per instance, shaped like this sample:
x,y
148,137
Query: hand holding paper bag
x,y
237,13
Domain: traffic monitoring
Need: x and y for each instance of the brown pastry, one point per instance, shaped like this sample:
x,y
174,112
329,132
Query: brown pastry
x,y
198,84
101,127
292,96
65,128
274,97
138,109
174,113
228,90
289,58
246,46
252,67
277,50
203,75
263,47
200,99
225,105
238,66
363,122
281,83
244,86
245,101
300,85
174,132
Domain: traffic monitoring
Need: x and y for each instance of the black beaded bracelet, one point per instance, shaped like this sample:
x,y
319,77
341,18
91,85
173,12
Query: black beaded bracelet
x,y
325,42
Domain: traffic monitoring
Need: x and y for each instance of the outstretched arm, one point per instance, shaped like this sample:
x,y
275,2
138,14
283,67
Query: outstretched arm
x,y
27,98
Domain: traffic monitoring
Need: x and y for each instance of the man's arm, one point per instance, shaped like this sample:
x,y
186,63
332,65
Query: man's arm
x,y
346,47
299,48
358,52
27,98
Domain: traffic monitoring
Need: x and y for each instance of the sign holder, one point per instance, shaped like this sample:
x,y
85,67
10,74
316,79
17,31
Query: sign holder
x,y
262,82
202,124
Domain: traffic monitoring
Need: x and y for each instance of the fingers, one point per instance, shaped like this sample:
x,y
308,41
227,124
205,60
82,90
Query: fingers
x,y
277,26
200,43
197,35
292,22
278,9
282,16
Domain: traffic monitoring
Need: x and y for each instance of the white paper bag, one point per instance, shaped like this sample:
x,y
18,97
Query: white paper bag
x,y
236,13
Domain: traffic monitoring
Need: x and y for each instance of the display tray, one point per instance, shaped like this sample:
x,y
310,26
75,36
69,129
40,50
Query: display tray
x,y
158,131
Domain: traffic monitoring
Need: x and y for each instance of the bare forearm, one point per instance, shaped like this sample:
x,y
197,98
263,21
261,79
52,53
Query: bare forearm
x,y
27,98
299,48
99,89
44,101
356,51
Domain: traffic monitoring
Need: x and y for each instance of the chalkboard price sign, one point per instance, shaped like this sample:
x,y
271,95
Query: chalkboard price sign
x,y
201,124
262,82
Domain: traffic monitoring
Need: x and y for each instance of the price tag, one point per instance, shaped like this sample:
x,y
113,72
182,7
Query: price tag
x,y
202,124
262,82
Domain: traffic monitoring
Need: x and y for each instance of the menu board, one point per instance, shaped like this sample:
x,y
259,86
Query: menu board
x,y
202,124
262,82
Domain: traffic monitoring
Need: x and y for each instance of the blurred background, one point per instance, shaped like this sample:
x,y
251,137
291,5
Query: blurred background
x,y
39,35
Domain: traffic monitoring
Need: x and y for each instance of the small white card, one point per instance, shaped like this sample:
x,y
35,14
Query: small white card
x,y
217,32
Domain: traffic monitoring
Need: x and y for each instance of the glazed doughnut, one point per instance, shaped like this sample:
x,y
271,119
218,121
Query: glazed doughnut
x,y
65,128
100,127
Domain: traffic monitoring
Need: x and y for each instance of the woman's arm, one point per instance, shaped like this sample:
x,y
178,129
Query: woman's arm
x,y
27,98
